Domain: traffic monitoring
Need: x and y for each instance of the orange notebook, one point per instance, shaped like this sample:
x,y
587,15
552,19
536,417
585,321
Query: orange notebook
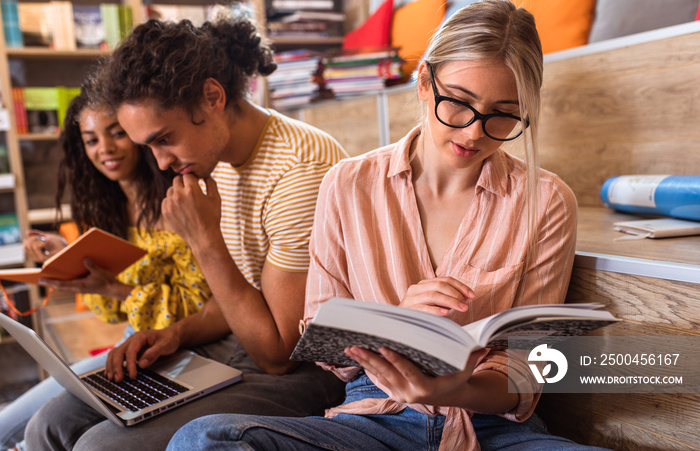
x,y
104,249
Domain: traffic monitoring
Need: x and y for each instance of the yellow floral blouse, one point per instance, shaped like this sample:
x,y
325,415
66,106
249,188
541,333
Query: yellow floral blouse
x,y
168,284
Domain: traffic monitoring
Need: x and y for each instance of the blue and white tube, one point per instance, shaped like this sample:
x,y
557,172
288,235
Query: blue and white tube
x,y
677,196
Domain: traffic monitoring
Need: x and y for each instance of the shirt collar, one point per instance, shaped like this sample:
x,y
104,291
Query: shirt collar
x,y
400,156
494,171
494,174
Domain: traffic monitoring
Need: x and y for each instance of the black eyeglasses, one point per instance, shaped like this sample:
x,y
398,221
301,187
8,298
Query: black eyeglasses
x,y
457,114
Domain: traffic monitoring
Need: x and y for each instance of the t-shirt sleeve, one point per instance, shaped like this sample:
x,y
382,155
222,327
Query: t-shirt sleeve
x,y
289,215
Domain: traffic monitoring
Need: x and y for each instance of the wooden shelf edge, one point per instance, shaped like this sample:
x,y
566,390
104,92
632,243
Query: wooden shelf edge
x,y
306,41
596,237
48,215
41,52
38,137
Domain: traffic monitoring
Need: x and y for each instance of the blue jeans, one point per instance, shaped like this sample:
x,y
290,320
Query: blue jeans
x,y
497,433
406,430
15,416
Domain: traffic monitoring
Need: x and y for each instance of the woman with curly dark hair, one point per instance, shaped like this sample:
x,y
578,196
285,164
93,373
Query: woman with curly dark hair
x,y
116,186
243,199
98,197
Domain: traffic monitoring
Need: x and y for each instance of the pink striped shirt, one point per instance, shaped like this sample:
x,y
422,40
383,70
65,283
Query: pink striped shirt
x,y
368,244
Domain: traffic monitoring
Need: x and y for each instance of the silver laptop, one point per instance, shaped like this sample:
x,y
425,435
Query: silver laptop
x,y
168,383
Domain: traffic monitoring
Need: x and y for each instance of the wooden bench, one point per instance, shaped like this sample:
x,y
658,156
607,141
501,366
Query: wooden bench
x,y
628,106
624,106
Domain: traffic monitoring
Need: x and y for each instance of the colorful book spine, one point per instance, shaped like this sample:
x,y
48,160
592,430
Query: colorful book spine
x,y
110,21
11,248
89,29
667,195
42,109
4,160
63,26
126,21
36,23
20,110
9,229
10,24
65,95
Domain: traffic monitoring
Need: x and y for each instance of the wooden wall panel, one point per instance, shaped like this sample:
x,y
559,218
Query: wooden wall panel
x,y
665,303
631,110
629,422
626,421
353,122
403,110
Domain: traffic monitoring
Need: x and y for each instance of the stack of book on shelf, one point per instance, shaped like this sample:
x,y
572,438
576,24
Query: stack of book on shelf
x,y
306,25
10,24
47,24
197,14
41,109
275,7
11,248
89,27
117,21
60,25
353,72
296,80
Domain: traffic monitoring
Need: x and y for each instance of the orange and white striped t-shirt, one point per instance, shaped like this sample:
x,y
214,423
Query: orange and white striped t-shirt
x,y
267,204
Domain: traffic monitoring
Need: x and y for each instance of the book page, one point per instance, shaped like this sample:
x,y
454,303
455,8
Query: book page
x,y
540,328
487,328
371,325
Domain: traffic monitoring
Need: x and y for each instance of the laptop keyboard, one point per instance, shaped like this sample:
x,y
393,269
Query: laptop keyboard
x,y
147,389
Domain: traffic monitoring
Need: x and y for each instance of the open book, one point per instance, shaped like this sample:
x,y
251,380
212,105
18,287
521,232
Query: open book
x,y
104,249
436,344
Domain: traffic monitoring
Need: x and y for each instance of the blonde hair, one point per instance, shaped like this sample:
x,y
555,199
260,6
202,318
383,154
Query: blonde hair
x,y
496,30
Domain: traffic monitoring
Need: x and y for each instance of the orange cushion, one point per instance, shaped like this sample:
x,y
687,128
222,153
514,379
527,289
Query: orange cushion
x,y
375,32
561,24
412,28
